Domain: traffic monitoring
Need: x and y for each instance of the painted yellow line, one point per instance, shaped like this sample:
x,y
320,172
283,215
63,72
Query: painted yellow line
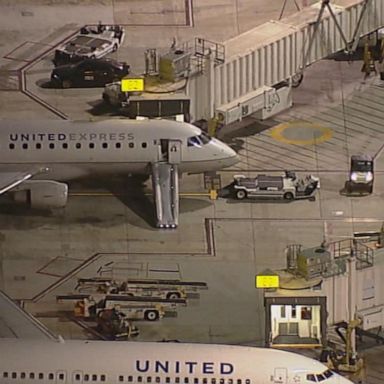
x,y
278,132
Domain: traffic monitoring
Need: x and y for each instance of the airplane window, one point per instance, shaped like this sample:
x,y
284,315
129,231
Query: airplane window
x,y
238,381
167,379
213,381
11,146
177,379
91,145
105,145
77,377
102,378
221,381
205,380
194,141
205,139
61,376
230,381
328,373
157,379
65,145
51,146
31,375
14,375
320,377
149,379
86,377
247,381
5,374
51,376
130,378
144,145
38,145
25,146
121,378
22,375
41,376
78,145
186,380
311,377
131,145
196,380
118,145
139,379
94,377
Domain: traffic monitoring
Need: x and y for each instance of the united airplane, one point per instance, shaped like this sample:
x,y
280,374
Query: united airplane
x,y
43,359
37,157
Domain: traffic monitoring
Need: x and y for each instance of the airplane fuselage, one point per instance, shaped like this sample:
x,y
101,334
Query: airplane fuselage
x,y
74,362
70,150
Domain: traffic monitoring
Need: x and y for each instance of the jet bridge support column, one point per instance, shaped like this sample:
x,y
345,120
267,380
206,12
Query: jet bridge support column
x,y
165,181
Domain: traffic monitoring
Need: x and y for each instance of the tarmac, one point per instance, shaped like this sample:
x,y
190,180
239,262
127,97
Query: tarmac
x,y
223,242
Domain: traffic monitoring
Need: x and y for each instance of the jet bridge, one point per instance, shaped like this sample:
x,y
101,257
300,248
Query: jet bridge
x,y
261,65
165,181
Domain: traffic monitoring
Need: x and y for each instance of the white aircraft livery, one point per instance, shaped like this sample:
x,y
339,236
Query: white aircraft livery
x,y
36,157
74,362
30,354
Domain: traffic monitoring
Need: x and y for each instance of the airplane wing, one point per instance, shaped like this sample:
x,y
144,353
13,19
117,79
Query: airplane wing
x,y
9,179
17,323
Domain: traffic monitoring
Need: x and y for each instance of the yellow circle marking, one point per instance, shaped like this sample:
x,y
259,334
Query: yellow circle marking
x,y
278,132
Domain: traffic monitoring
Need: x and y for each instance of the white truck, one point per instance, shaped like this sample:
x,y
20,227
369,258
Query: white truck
x,y
287,187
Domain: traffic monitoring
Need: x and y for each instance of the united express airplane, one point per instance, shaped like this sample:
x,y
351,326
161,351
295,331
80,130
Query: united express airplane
x,y
30,354
37,156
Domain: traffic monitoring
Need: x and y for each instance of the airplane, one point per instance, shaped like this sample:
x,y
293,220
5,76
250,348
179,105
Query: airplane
x,y
38,156
41,358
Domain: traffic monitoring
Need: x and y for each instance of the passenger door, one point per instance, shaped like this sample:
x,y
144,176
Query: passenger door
x,y
174,152
280,376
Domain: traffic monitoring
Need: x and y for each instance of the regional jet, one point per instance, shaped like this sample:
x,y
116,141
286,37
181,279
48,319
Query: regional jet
x,y
45,360
36,157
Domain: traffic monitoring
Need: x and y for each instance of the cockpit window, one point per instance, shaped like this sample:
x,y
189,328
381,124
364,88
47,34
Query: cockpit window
x,y
194,141
198,141
320,377
328,373
204,138
311,377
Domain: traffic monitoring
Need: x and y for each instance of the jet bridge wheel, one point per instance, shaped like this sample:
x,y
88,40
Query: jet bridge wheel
x,y
241,194
288,196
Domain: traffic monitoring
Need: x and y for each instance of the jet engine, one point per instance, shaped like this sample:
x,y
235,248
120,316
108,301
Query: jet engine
x,y
41,194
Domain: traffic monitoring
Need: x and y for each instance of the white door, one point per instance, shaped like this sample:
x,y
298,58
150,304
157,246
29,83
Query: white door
x,y
174,152
280,376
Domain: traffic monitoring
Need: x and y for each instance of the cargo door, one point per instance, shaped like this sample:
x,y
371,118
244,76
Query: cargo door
x,y
280,376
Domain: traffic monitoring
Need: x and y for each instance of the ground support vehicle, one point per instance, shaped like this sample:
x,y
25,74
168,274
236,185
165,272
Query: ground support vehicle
x,y
287,187
110,286
134,308
115,325
151,105
361,174
88,73
90,42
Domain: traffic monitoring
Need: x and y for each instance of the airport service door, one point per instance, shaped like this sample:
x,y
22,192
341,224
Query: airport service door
x,y
174,152
280,376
